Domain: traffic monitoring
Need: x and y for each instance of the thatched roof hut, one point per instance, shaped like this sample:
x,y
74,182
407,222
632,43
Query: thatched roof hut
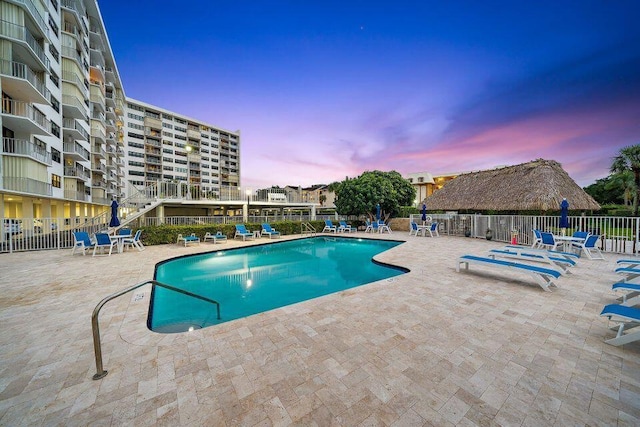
x,y
537,185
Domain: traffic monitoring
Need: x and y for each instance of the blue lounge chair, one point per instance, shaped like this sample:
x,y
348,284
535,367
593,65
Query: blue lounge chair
x,y
82,241
631,263
627,318
369,226
414,229
188,239
535,255
543,276
382,227
104,241
567,255
632,295
344,227
268,231
329,227
548,241
218,237
433,230
628,272
241,231
537,239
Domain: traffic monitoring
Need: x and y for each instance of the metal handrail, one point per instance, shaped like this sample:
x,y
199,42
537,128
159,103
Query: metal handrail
x,y
97,347
307,228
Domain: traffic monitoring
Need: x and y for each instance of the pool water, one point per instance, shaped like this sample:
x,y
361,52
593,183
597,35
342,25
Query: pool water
x,y
255,279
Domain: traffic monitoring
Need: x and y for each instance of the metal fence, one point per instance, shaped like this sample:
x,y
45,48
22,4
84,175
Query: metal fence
x,y
617,234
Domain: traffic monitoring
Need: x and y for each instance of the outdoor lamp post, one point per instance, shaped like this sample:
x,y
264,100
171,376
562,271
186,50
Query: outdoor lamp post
x,y
248,193
188,148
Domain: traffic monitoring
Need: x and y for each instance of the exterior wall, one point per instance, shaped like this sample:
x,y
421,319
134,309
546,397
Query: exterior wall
x,y
164,145
62,109
425,184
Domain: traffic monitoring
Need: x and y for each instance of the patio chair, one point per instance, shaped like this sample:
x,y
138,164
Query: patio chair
x,y
537,239
548,241
369,227
268,231
589,247
628,318
575,244
134,241
104,241
329,227
382,227
346,227
414,229
188,239
433,230
82,241
241,231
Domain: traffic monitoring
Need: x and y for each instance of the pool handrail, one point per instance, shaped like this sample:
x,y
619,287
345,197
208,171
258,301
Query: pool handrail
x,y
97,347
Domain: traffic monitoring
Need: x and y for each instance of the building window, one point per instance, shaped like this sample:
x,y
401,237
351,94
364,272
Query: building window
x,y
55,104
55,155
55,129
54,53
55,180
54,27
54,78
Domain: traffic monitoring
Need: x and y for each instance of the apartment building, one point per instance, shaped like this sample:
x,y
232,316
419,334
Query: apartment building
x,y
164,145
62,153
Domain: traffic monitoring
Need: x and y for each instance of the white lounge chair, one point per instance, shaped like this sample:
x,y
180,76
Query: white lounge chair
x,y
344,227
537,239
382,227
630,263
268,231
81,241
241,231
329,227
188,239
627,318
218,237
433,230
545,277
104,241
414,229
525,254
632,293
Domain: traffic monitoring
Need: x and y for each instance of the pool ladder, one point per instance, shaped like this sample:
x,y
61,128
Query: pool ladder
x,y
97,347
307,228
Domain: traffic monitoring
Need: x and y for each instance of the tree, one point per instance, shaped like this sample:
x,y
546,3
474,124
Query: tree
x,y
628,159
360,195
322,199
616,189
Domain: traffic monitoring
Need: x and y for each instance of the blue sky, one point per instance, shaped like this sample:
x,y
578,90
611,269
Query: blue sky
x,y
324,90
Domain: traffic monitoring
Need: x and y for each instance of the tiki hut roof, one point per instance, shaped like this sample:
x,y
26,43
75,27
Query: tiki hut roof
x,y
537,185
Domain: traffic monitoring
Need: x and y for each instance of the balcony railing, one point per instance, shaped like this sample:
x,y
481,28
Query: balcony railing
x,y
23,147
72,77
26,185
76,195
20,32
74,124
26,110
71,52
74,5
36,15
19,70
72,147
73,101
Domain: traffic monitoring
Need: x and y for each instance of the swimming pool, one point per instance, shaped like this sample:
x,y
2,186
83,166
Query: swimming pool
x,y
254,279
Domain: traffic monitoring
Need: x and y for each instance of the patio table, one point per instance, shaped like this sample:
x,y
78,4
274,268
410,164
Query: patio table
x,y
567,241
119,238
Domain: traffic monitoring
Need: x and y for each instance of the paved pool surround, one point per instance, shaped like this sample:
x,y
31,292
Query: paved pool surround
x,y
430,347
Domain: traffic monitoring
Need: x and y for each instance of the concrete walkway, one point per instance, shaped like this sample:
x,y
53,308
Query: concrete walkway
x,y
430,347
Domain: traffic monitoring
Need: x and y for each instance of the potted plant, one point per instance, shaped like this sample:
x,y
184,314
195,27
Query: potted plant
x,y
489,234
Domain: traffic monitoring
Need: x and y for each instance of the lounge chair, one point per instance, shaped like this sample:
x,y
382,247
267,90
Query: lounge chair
x,y
218,237
580,237
344,227
535,255
628,318
241,231
188,239
628,273
369,227
82,241
433,230
589,247
329,227
543,276
268,231
134,241
631,263
414,229
567,255
632,293
104,241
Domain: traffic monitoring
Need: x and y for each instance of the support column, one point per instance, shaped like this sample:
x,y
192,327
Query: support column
x,y
245,212
160,214
313,213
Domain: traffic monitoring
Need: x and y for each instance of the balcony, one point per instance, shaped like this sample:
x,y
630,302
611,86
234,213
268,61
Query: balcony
x,y
73,128
26,45
26,185
98,168
97,95
24,148
98,151
97,131
73,78
76,195
76,172
21,82
99,184
75,7
73,53
35,15
73,150
19,115
73,107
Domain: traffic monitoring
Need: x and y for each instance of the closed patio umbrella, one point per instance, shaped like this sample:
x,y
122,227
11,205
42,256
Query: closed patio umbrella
x,y
424,213
564,215
115,222
378,212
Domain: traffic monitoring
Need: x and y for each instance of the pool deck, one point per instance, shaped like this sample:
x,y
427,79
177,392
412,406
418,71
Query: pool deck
x,y
430,347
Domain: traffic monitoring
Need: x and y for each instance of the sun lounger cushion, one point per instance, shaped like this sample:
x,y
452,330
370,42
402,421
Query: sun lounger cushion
x,y
628,317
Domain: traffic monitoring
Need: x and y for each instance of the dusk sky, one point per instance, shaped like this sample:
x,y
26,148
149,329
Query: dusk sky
x,y
323,90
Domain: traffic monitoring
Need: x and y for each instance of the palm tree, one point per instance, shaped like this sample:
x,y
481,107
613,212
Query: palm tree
x,y
629,159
